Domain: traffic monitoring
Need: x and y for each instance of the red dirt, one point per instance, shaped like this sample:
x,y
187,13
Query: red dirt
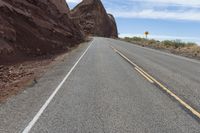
x,y
14,78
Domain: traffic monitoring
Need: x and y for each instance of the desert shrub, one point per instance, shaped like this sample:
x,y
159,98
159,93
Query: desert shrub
x,y
128,39
166,43
174,43
152,41
138,39
134,39
191,44
163,44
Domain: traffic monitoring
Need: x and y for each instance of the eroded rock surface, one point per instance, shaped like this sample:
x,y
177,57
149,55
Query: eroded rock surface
x,y
94,20
30,28
35,27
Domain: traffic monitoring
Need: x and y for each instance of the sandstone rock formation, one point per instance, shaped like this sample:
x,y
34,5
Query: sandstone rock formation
x,y
35,27
94,20
61,5
30,28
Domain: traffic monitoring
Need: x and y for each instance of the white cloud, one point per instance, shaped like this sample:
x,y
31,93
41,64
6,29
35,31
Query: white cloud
x,y
192,15
156,9
153,9
192,3
73,1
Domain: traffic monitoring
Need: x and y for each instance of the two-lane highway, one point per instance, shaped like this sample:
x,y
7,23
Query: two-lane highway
x,y
180,74
103,93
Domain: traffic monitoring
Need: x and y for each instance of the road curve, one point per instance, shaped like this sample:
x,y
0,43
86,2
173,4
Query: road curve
x,y
105,94
180,74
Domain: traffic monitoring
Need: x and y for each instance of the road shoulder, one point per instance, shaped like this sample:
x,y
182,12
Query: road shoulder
x,y
20,109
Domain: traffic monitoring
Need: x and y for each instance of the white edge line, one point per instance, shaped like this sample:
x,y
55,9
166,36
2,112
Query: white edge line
x,y
40,112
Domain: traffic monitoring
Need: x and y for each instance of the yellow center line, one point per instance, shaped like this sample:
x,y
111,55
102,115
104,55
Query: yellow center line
x,y
153,80
124,56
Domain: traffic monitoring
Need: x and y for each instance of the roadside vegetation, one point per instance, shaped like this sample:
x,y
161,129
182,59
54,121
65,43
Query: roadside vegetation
x,y
188,49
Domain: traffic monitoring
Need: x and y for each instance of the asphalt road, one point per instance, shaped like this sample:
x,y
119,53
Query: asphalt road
x,y
103,93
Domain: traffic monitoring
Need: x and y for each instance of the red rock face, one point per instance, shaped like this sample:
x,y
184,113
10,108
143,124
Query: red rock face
x,y
61,5
35,27
30,28
94,20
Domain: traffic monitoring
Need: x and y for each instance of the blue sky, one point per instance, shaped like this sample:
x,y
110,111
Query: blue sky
x,y
164,19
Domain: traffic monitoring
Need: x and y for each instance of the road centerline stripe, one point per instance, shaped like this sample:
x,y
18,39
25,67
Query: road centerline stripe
x,y
42,109
141,71
151,81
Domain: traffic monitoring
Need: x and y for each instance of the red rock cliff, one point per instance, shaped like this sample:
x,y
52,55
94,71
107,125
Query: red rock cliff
x,y
31,28
94,20
35,27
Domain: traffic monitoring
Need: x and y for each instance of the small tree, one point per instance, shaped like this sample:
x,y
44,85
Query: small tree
x,y
146,34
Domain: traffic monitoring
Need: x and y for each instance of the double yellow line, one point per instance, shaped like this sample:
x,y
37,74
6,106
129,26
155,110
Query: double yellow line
x,y
152,80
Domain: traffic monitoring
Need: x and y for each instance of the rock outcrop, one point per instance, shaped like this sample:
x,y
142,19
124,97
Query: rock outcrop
x,y
94,20
30,28
35,27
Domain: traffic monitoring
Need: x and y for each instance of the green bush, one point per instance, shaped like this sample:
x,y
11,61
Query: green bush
x,y
191,44
138,39
165,43
176,43
152,41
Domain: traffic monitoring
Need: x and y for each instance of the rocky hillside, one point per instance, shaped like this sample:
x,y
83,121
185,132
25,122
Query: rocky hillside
x,y
30,28
94,20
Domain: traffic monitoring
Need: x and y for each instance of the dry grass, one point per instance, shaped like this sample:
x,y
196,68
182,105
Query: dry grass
x,y
188,49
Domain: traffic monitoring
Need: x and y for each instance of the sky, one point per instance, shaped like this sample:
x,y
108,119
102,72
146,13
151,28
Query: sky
x,y
164,19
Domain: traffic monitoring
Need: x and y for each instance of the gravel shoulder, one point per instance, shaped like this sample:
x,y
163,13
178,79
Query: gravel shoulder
x,y
14,78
